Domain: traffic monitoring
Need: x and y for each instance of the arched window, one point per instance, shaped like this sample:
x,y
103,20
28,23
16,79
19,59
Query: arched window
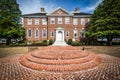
x,y
37,33
29,33
83,33
44,33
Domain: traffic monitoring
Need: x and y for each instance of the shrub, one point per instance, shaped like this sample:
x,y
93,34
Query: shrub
x,y
70,41
44,43
76,44
51,42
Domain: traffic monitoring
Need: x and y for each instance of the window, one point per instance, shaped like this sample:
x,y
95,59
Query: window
x,y
67,33
52,20
75,33
44,21
88,20
37,33
75,21
52,34
29,33
83,21
44,33
67,20
83,33
59,20
36,21
29,21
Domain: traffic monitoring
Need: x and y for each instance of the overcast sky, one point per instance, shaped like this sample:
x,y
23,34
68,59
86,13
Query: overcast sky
x,y
33,6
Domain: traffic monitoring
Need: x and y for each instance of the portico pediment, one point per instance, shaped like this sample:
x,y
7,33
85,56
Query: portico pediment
x,y
59,11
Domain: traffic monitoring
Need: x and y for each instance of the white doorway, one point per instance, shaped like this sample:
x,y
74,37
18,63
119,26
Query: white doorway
x,y
59,36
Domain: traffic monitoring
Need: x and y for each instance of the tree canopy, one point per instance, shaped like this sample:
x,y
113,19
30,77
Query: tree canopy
x,y
9,20
105,21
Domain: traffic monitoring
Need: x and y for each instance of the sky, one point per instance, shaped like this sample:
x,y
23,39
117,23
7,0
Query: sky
x,y
33,6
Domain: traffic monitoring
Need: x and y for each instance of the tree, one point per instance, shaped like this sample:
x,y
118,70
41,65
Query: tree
x,y
9,20
105,21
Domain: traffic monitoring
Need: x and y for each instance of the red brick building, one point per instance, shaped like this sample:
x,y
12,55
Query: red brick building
x,y
59,24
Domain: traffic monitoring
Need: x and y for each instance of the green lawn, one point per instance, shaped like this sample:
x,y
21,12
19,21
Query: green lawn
x,y
110,50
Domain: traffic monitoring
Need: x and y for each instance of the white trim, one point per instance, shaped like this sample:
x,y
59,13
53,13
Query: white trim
x,y
75,31
28,33
38,33
42,33
29,21
51,34
37,21
82,21
44,21
52,19
59,20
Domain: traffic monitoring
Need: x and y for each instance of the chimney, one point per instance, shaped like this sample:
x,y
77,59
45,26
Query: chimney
x,y
77,10
42,10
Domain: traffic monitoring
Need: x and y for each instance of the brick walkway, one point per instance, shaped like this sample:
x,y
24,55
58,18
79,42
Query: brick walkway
x,y
11,69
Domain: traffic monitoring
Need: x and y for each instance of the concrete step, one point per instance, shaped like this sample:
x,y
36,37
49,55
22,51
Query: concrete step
x,y
60,43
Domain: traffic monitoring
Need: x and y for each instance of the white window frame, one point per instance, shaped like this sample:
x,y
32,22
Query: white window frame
x,y
29,33
83,33
67,33
43,33
52,20
82,21
36,21
75,21
67,20
37,33
59,20
29,21
52,34
44,21
75,32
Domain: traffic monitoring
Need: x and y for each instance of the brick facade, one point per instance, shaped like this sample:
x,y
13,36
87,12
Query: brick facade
x,y
59,12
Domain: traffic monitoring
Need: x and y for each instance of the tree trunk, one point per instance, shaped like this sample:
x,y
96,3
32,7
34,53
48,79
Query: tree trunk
x,y
109,41
8,41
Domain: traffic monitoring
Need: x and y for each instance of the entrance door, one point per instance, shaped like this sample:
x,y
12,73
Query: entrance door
x,y
59,36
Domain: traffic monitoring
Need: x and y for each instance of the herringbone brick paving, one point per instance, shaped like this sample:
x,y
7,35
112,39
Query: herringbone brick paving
x,y
108,69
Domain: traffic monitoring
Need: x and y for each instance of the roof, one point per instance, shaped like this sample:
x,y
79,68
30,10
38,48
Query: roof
x,y
82,13
34,14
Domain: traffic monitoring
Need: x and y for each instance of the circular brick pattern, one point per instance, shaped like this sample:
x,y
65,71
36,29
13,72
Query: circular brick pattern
x,y
108,69
60,59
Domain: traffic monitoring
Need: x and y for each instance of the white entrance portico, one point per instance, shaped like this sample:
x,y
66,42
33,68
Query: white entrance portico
x,y
59,37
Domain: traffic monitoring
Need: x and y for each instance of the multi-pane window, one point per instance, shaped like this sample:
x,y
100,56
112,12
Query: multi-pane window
x,y
75,21
44,21
67,20
67,33
36,21
37,33
29,33
52,20
29,21
52,34
82,21
59,20
44,33
75,33
83,33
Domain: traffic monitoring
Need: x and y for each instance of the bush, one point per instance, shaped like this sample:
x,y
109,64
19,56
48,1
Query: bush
x,y
51,42
70,41
76,44
44,43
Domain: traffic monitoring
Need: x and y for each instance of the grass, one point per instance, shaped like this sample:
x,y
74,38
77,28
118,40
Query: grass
x,y
4,52
109,50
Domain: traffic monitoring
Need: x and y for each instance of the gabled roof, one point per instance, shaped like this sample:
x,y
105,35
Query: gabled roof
x,y
58,9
